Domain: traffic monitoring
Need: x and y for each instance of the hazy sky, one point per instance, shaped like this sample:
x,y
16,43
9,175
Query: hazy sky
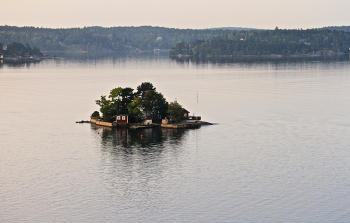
x,y
176,14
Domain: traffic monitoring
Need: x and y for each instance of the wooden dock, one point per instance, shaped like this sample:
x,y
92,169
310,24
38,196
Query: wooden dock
x,y
182,125
102,123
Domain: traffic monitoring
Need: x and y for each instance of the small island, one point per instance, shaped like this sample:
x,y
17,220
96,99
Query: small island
x,y
144,108
17,52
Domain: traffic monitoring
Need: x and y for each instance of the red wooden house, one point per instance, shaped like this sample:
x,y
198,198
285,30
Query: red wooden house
x,y
186,113
122,119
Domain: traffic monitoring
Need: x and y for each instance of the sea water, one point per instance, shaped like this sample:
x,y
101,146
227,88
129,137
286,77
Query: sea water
x,y
278,151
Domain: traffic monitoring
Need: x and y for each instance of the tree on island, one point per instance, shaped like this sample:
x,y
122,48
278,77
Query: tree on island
x,y
118,101
108,108
175,111
145,86
95,114
127,96
154,105
135,110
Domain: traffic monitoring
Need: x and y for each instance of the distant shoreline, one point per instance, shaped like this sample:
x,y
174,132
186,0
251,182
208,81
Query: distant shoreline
x,y
27,59
272,56
107,51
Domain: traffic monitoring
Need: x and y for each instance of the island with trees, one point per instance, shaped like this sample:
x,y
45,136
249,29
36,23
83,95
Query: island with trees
x,y
144,107
278,42
18,52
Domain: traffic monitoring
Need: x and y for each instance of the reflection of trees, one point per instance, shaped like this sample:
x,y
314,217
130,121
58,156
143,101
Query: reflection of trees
x,y
18,64
148,140
135,168
255,59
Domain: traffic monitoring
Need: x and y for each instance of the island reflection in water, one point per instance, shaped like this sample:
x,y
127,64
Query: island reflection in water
x,y
18,64
149,140
259,59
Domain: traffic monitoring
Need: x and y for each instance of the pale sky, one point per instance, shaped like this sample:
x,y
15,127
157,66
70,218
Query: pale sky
x,y
265,14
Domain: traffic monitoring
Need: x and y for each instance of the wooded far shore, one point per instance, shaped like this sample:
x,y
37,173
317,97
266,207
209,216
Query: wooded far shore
x,y
194,42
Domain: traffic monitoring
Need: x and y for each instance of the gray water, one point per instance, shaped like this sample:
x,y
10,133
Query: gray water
x,y
279,151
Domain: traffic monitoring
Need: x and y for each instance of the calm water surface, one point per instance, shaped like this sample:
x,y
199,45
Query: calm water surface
x,y
279,151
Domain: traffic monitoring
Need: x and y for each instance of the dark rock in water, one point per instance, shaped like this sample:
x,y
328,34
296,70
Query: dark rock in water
x,y
206,123
82,121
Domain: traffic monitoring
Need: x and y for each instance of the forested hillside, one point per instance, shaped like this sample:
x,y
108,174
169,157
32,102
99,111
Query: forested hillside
x,y
99,38
267,42
328,40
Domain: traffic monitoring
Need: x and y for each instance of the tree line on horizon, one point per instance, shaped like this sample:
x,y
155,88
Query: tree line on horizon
x,y
216,41
339,28
98,38
267,42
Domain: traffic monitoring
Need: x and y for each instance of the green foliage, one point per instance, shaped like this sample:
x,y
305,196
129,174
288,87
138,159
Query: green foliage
x,y
115,93
267,42
146,102
127,96
108,108
135,110
175,111
154,105
145,38
117,104
180,48
99,38
95,114
18,49
145,86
